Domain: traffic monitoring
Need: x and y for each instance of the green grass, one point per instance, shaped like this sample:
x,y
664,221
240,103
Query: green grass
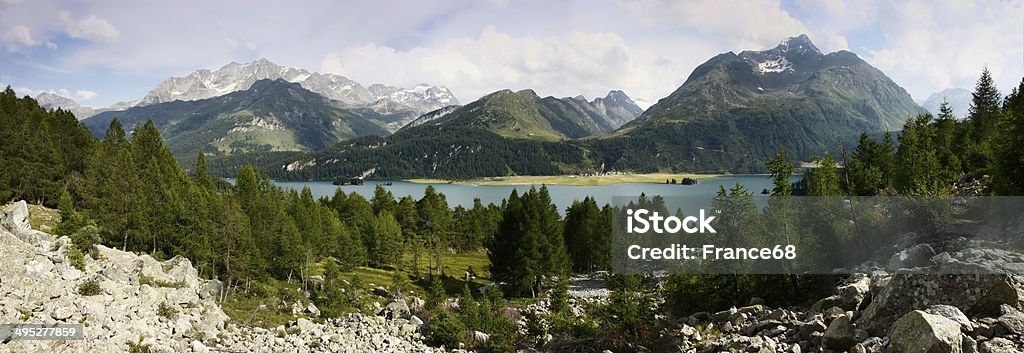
x,y
453,265
598,180
246,309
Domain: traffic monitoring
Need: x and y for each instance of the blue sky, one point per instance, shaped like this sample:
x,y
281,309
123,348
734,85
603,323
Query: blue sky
x,y
103,52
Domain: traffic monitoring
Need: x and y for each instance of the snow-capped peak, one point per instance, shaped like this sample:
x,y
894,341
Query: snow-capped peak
x,y
800,44
202,84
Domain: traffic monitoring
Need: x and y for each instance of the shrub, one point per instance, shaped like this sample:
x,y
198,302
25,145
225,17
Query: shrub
x,y
76,258
138,347
153,282
569,325
446,330
90,287
166,311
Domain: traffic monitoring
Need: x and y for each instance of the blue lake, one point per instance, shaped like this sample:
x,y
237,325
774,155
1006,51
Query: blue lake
x,y
561,195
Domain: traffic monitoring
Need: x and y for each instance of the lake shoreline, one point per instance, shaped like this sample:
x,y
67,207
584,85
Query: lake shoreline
x,y
573,180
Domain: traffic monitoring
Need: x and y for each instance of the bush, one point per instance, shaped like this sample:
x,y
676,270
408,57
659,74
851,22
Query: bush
x,y
84,238
76,258
167,311
138,347
569,325
153,282
90,287
446,330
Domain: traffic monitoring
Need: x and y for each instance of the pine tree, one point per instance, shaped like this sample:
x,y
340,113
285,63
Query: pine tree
x,y
985,105
824,179
435,220
920,171
382,201
585,236
982,118
387,246
528,246
1008,166
162,185
201,173
112,189
781,169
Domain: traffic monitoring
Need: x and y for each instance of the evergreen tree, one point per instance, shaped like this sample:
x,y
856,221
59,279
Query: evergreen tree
x,y
865,170
528,246
982,119
162,183
382,201
112,190
587,236
201,174
781,169
824,179
1008,165
920,171
435,220
386,245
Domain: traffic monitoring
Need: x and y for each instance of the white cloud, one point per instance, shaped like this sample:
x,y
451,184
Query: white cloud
x,y
947,44
90,28
85,95
564,65
645,47
17,36
743,24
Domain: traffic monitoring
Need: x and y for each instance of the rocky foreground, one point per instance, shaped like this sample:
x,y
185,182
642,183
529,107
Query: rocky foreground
x,y
137,300
164,305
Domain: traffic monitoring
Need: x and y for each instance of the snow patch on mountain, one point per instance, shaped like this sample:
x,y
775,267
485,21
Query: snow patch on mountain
x,y
202,84
774,66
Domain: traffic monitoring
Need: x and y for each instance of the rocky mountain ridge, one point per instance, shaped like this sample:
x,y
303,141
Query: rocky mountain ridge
x,y
268,116
233,77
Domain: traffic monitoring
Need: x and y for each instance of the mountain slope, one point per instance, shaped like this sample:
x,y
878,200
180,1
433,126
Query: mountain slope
x,y
735,110
401,104
503,133
525,115
53,101
268,116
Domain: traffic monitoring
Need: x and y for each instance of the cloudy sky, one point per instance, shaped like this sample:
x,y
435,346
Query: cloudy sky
x,y
101,52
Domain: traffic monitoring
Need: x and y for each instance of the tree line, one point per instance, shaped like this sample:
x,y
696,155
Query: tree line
x,y
128,191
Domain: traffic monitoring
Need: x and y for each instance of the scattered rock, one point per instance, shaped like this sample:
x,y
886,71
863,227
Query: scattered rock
x,y
919,255
919,331
972,294
396,309
952,313
313,310
839,335
1013,320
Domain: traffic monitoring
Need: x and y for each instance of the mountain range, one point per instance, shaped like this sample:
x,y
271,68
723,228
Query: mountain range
x,y
270,115
405,104
730,115
50,100
526,115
